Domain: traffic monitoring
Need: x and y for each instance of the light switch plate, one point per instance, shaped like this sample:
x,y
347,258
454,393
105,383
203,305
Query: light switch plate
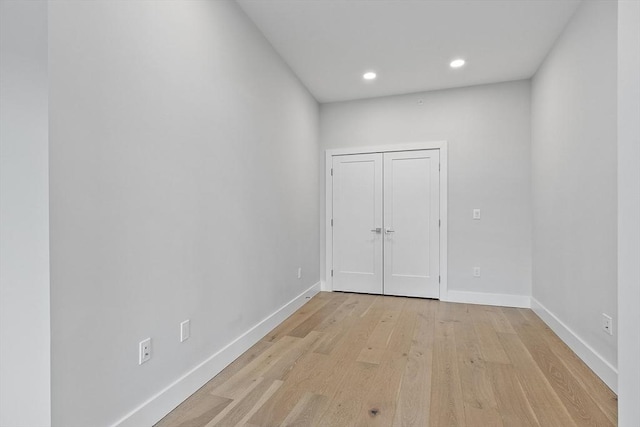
x,y
476,214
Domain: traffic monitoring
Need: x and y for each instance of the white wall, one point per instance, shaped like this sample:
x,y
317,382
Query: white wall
x,y
488,133
574,179
25,397
629,212
183,185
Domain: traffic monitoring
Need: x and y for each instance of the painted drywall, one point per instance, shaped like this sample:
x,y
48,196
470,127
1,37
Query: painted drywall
x,y
183,186
628,212
574,177
25,375
488,133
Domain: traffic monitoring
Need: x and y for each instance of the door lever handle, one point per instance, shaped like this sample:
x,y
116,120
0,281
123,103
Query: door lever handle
x,y
388,230
376,230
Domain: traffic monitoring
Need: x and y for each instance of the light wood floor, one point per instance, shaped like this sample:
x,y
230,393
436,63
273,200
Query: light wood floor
x,y
365,360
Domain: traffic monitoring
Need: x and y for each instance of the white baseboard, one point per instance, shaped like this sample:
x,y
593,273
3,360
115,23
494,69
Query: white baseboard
x,y
154,409
502,300
607,372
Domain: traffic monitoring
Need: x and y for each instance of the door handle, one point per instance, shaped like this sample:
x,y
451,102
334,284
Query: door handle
x,y
389,230
376,230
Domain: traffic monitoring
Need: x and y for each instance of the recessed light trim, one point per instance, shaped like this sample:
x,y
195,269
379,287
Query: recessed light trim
x,y
369,75
457,63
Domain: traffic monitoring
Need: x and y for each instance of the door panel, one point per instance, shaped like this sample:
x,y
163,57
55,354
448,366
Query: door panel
x,y
411,216
357,212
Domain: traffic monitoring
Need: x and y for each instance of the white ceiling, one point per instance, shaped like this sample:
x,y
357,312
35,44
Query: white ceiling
x,y
329,44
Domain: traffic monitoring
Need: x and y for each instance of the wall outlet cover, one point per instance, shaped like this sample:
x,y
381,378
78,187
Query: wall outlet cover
x,y
607,324
144,351
185,330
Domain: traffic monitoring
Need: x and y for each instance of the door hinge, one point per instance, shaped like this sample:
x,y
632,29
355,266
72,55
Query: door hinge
x,y
331,273
439,223
439,279
439,166
332,222
331,171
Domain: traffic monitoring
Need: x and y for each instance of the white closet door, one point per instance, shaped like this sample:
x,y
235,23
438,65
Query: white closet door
x,y
357,223
411,216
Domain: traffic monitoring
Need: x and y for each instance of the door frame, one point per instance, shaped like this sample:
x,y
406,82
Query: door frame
x,y
432,145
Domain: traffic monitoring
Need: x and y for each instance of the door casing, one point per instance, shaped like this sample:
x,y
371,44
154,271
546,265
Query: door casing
x,y
327,285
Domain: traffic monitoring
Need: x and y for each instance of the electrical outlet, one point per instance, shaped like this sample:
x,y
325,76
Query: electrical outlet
x,y
476,214
185,330
144,351
607,324
299,272
476,271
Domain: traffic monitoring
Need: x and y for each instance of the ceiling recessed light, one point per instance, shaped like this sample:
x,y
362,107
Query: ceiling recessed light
x,y
369,76
457,63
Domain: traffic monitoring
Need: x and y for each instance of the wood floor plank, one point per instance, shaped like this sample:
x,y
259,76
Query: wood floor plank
x,y
513,406
239,364
370,354
581,406
427,314
414,397
302,314
301,379
382,332
196,411
347,402
490,346
447,408
246,406
604,397
480,407
379,405
346,308
337,333
499,321
307,412
308,374
435,364
358,325
378,341
544,401
316,318
259,384
282,366
333,369
338,364
267,394
402,335
235,385
355,331
348,349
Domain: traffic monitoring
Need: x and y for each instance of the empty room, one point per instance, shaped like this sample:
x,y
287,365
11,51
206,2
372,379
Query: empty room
x,y
319,213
